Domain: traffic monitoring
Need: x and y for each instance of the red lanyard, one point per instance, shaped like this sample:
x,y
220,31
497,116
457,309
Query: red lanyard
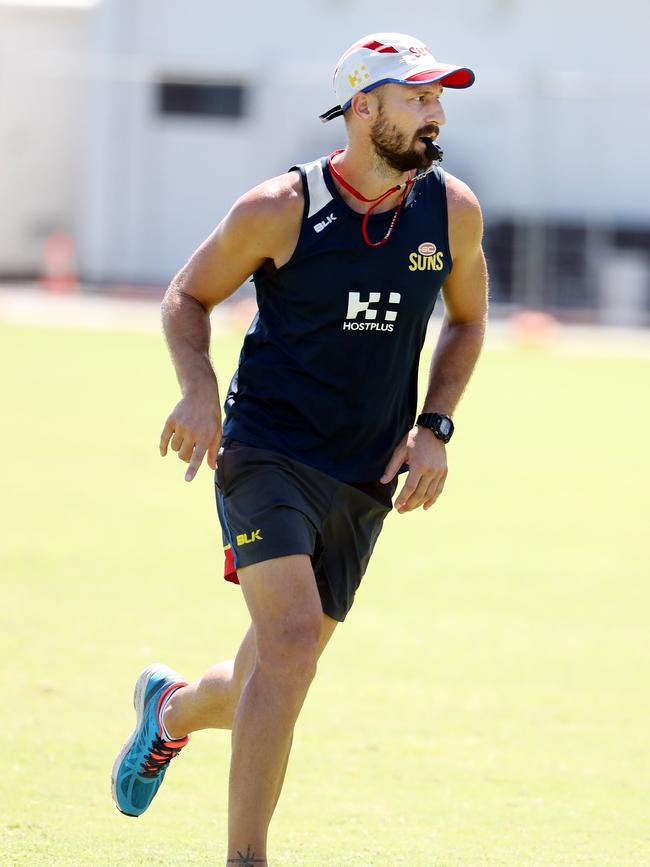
x,y
376,201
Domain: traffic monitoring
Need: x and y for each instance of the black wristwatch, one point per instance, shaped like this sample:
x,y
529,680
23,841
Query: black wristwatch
x,y
438,423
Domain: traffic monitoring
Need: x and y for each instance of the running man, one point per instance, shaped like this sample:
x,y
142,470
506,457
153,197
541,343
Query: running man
x,y
348,255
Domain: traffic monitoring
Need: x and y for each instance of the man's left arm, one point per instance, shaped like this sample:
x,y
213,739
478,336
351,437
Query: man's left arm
x,y
458,348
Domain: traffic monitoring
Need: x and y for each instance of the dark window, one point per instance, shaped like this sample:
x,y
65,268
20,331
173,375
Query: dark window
x,y
203,100
499,244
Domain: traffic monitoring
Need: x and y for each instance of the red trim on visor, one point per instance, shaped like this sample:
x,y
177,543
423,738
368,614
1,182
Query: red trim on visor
x,y
452,77
380,47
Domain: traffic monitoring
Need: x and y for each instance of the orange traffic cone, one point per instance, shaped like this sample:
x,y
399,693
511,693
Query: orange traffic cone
x,y
59,271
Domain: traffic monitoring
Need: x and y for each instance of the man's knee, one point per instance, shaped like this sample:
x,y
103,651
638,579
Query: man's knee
x,y
288,652
287,615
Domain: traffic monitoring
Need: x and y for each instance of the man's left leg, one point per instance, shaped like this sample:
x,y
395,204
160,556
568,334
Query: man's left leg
x,y
210,702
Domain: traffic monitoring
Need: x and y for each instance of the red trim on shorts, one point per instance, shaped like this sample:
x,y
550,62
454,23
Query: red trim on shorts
x,y
229,571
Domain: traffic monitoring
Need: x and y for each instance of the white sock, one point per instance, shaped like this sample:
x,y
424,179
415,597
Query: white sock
x,y
161,716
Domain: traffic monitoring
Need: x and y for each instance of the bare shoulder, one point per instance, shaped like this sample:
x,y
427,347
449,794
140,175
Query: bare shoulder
x,y
263,224
465,217
281,198
266,220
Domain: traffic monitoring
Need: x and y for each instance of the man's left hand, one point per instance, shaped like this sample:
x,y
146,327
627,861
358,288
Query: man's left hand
x,y
427,459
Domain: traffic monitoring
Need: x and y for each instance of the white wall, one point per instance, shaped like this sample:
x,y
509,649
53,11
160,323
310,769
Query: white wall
x,y
556,125
556,84
43,85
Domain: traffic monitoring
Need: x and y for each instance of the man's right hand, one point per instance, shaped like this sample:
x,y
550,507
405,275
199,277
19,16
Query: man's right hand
x,y
192,429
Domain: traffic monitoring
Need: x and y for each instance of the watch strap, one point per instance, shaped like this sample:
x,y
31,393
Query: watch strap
x,y
438,423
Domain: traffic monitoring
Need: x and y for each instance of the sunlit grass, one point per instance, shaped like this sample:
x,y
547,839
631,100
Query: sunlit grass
x,y
486,703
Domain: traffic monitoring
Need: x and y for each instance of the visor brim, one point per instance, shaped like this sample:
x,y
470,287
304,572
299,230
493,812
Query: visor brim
x,y
457,77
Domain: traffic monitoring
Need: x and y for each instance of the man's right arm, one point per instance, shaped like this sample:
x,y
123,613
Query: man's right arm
x,y
264,224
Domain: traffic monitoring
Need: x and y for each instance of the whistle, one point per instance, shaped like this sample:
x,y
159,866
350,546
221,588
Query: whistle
x,y
434,151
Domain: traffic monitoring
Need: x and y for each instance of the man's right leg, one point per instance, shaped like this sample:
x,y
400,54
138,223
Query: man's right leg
x,y
287,616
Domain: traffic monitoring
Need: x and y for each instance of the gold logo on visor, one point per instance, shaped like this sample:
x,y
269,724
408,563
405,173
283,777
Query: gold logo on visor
x,y
358,76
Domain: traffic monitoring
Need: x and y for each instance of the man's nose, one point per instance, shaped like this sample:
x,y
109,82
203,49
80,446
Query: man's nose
x,y
437,114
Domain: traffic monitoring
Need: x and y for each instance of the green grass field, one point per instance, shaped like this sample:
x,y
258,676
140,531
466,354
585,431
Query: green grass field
x,y
486,703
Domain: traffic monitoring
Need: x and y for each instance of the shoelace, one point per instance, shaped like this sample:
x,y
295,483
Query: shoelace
x,y
160,755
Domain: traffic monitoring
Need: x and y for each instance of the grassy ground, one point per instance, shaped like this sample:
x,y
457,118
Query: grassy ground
x,y
486,703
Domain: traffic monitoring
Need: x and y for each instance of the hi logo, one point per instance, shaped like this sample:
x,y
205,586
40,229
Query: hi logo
x,y
325,223
247,538
427,258
357,306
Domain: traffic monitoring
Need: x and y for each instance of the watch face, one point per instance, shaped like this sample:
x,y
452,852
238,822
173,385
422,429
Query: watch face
x,y
445,426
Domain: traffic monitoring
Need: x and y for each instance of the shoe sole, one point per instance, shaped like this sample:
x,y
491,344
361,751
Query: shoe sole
x,y
138,703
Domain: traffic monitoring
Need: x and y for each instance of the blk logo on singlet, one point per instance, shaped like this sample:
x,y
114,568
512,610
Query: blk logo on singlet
x,y
369,320
325,223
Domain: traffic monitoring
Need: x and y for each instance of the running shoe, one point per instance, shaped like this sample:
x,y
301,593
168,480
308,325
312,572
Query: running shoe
x,y
141,764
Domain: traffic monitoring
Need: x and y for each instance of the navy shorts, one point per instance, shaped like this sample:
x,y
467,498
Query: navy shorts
x,y
271,506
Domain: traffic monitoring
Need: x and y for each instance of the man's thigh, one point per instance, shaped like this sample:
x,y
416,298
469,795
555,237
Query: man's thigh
x,y
282,598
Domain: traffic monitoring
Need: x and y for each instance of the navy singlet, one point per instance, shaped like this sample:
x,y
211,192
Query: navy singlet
x,y
328,371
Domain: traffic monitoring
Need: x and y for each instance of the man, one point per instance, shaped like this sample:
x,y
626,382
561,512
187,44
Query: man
x,y
348,254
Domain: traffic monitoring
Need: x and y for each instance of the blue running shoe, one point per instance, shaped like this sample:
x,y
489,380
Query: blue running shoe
x,y
142,762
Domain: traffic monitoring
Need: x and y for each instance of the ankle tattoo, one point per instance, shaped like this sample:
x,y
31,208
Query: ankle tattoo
x,y
246,859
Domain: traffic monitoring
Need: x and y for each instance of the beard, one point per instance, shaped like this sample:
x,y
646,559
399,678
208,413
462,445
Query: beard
x,y
395,150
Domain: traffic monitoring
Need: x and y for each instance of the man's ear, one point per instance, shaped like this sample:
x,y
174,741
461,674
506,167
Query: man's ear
x,y
362,106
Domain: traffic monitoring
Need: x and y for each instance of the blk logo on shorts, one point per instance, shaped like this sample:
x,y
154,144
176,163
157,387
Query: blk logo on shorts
x,y
369,321
247,538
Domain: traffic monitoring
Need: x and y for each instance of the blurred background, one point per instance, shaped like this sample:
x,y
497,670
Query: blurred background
x,y
128,127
